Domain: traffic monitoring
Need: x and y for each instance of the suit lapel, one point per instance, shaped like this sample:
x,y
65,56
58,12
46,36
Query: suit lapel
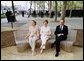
x,y
59,28
62,29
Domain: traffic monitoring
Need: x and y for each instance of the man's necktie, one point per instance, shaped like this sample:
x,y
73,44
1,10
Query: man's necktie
x,y
61,27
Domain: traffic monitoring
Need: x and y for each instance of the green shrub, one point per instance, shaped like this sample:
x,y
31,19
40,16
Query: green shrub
x,y
3,16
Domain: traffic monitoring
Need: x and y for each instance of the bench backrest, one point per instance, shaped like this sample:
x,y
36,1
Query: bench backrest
x,y
72,35
20,36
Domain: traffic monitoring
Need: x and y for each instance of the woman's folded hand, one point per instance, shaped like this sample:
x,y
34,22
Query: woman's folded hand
x,y
26,37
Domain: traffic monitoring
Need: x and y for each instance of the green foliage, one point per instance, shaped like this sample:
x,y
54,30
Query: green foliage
x,y
70,5
3,16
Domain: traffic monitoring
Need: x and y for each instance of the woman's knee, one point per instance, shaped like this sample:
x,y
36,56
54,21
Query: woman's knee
x,y
43,44
30,38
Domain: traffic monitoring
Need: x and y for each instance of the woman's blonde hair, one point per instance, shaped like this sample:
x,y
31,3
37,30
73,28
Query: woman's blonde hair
x,y
46,21
34,21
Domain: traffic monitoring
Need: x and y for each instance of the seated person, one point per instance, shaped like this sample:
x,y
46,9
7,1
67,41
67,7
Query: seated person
x,y
45,34
33,35
61,33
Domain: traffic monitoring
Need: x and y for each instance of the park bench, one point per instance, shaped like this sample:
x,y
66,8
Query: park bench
x,y
22,43
66,45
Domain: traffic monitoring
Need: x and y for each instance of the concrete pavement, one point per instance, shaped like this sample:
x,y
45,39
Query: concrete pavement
x,y
73,23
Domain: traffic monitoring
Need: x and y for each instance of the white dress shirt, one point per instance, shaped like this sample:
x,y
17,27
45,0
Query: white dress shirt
x,y
61,26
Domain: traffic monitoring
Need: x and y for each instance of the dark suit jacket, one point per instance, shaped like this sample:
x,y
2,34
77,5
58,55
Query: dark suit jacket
x,y
64,31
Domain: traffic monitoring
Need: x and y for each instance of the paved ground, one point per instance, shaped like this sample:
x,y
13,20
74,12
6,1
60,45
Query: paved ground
x,y
10,53
73,23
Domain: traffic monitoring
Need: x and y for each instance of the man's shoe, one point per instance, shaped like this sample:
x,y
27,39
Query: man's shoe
x,y
57,54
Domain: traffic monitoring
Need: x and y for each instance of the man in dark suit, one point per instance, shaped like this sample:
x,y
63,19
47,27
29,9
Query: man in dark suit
x,y
22,13
61,33
8,15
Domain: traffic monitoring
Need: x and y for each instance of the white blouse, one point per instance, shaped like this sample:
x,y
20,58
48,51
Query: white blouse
x,y
32,31
45,30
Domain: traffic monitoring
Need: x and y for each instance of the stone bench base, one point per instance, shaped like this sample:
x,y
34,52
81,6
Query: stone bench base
x,y
22,47
79,38
65,45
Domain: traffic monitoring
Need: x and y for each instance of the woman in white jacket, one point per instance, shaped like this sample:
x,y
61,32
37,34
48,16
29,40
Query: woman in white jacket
x,y
45,33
